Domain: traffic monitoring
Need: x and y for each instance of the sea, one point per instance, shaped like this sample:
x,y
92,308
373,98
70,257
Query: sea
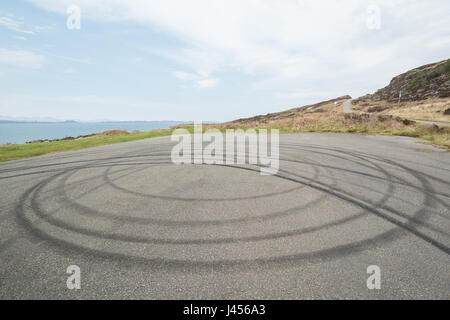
x,y
21,132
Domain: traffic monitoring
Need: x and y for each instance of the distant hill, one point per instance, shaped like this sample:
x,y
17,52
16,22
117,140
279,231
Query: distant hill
x,y
170,122
26,121
285,115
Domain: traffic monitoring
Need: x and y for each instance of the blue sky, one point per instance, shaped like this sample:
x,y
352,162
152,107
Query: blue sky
x,y
206,60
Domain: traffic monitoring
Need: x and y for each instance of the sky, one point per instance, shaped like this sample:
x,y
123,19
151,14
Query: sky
x,y
209,60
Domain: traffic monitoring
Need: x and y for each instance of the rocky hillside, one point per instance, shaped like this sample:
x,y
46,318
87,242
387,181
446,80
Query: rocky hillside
x,y
288,114
428,81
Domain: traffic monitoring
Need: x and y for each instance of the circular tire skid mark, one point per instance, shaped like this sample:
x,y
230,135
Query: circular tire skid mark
x,y
132,209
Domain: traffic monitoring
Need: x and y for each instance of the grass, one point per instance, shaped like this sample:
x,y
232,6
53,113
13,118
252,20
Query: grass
x,y
299,122
19,151
429,134
431,109
419,82
329,121
447,66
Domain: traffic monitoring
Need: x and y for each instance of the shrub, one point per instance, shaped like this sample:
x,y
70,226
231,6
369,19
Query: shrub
x,y
447,66
112,132
418,82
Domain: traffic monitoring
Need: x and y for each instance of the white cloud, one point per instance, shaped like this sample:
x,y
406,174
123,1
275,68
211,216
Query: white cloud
x,y
201,80
70,70
15,25
184,75
207,83
287,42
21,58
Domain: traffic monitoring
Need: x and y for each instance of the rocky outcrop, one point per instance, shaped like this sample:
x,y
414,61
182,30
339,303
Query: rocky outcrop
x,y
428,81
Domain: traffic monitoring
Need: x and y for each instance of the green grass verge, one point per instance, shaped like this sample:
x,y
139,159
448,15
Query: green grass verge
x,y
19,151
429,134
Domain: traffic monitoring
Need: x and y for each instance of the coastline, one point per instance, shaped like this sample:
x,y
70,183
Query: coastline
x,y
29,132
9,152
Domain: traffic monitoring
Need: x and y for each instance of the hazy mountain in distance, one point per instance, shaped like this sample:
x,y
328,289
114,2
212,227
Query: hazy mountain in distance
x,y
29,119
49,119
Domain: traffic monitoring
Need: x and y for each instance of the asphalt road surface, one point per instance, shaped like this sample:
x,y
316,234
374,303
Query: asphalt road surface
x,y
445,124
139,226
